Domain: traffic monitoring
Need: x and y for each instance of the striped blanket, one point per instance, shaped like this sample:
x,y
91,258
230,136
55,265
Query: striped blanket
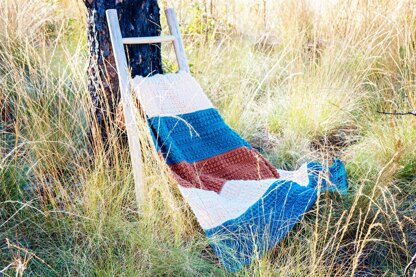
x,y
244,204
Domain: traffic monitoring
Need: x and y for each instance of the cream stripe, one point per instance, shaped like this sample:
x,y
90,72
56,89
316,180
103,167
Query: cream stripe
x,y
170,94
299,176
213,209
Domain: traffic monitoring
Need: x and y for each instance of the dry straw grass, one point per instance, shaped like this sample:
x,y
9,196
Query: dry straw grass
x,y
299,83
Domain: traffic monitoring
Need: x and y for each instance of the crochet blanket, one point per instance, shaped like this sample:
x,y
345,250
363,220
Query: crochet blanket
x,y
244,204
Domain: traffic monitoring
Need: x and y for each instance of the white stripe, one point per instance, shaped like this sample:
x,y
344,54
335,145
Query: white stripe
x,y
299,176
213,209
170,94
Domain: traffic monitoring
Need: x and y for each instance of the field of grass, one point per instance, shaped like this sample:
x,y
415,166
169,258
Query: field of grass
x,y
299,80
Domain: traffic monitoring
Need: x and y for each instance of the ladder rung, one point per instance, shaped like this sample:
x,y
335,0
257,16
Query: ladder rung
x,y
147,40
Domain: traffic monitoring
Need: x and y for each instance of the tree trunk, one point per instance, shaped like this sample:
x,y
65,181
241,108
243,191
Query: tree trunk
x,y
137,18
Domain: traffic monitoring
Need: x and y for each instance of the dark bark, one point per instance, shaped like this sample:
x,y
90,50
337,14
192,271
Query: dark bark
x,y
137,18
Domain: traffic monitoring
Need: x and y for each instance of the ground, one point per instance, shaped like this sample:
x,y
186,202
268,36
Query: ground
x,y
299,82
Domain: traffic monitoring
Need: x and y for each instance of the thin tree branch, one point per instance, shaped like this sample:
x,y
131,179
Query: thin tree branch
x,y
398,113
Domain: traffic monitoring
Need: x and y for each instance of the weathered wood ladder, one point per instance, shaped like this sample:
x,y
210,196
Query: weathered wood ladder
x,y
118,43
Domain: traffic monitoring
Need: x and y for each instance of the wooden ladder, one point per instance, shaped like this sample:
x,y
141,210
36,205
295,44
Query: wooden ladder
x,y
118,43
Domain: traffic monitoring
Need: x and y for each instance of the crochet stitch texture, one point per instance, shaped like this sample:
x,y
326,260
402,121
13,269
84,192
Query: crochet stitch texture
x,y
244,204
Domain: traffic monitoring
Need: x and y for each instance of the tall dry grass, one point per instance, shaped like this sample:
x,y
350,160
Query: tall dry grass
x,y
298,82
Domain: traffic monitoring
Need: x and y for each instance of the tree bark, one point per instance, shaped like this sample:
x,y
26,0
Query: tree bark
x,y
137,18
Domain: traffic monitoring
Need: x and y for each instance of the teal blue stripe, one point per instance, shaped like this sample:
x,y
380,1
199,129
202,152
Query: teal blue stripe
x,y
193,137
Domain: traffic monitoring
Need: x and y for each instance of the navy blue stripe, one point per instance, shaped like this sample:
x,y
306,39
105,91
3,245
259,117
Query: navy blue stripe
x,y
194,136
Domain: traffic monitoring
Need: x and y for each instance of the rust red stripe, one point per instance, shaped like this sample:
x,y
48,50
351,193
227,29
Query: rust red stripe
x,y
210,174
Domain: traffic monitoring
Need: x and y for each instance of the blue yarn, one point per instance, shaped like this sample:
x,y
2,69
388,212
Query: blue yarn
x,y
337,176
194,136
238,241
